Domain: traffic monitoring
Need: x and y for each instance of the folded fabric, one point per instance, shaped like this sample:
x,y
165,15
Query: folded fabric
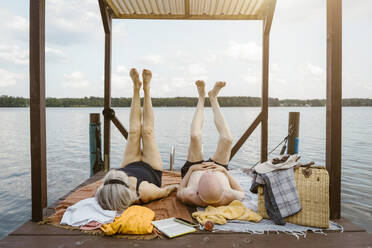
x,y
281,195
85,211
219,215
134,220
271,165
93,225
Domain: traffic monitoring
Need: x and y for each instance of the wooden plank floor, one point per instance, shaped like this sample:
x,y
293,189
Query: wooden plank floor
x,y
34,235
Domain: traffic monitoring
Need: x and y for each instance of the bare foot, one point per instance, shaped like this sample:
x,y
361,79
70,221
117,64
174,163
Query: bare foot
x,y
146,77
135,77
216,89
200,85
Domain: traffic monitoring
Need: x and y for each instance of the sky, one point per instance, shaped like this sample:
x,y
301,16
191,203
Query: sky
x,y
181,52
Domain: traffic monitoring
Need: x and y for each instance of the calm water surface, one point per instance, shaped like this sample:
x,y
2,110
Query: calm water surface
x,y
68,151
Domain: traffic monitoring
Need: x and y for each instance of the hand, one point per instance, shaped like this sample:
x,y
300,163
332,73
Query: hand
x,y
220,168
197,167
170,188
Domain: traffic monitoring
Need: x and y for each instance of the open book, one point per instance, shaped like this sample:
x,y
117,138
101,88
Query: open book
x,y
172,227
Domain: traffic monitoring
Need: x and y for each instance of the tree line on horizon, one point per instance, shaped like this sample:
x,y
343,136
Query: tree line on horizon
x,y
225,101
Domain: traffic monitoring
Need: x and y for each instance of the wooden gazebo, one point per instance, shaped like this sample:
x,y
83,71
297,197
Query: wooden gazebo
x,y
185,10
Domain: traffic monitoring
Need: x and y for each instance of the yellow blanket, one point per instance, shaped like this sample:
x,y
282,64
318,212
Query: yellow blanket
x,y
234,211
134,220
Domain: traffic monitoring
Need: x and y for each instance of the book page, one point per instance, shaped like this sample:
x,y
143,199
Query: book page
x,y
171,228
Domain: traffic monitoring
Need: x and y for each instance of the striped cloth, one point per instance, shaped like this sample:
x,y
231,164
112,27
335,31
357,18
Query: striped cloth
x,y
281,196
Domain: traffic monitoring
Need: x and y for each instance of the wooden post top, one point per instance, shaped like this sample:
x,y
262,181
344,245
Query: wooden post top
x,y
95,118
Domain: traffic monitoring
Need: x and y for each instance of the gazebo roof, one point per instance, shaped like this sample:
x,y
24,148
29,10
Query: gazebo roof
x,y
189,9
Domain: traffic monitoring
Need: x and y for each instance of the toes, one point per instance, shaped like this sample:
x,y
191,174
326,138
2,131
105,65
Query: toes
x,y
146,72
133,73
200,83
220,84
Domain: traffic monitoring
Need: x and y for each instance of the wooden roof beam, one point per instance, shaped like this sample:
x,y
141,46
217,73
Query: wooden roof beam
x,y
187,7
188,17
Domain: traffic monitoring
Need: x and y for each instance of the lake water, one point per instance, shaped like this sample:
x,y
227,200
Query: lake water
x,y
68,151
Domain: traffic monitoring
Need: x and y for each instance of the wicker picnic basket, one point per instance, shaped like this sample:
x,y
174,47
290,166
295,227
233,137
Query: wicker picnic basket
x,y
313,189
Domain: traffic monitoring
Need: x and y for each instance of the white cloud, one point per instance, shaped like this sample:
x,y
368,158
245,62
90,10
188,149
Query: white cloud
x,y
13,27
245,51
196,69
75,80
298,11
119,30
122,69
314,69
274,68
179,82
17,23
250,78
8,78
69,22
120,80
13,54
20,56
55,54
152,59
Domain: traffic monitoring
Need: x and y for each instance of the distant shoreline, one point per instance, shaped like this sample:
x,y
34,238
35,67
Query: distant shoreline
x,y
225,101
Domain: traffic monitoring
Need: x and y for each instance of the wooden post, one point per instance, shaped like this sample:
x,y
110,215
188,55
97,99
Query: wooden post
x,y
96,163
265,76
107,100
265,96
293,132
37,109
334,104
171,158
107,24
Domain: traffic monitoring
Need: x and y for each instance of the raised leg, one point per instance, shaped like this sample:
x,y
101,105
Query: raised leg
x,y
150,153
132,151
222,154
195,148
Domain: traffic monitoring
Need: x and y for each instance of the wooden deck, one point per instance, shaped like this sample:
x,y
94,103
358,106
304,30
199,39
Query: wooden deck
x,y
32,234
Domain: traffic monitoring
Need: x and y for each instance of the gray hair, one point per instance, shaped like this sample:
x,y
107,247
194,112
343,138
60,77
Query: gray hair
x,y
115,196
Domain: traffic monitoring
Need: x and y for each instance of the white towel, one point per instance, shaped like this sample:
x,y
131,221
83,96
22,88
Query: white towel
x,y
85,211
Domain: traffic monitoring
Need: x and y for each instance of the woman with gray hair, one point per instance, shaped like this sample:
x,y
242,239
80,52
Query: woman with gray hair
x,y
139,178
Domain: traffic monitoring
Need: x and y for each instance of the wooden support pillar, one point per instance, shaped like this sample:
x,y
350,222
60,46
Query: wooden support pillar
x,y
37,109
334,104
293,132
269,12
265,96
107,24
107,100
95,147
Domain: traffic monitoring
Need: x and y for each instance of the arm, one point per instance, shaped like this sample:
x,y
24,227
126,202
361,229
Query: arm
x,y
229,196
189,196
186,194
149,192
233,183
193,168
